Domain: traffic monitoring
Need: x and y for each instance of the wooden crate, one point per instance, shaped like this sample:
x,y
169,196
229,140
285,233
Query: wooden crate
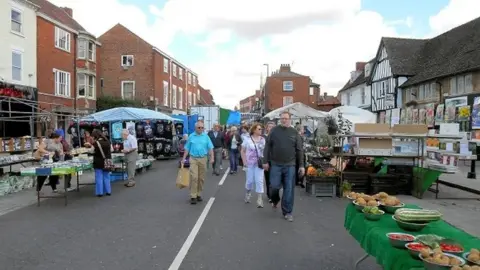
x,y
321,189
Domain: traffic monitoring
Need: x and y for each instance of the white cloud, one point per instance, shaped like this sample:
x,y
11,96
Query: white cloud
x,y
457,12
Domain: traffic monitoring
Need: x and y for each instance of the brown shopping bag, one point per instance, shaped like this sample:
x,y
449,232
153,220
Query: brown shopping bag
x,y
183,178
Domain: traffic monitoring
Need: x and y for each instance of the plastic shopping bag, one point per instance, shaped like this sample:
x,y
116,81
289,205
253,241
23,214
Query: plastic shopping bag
x,y
183,178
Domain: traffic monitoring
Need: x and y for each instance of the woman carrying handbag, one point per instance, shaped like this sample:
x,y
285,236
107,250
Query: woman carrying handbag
x,y
252,154
102,163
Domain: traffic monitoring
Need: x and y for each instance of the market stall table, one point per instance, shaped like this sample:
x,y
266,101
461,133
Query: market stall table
x,y
371,235
61,169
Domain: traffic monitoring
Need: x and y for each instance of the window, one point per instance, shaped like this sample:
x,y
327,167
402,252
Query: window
x,y
194,80
62,83
16,17
86,85
128,90
421,92
180,73
127,60
174,70
189,98
189,78
62,39
288,86
287,101
311,91
82,48
362,95
461,84
198,93
165,65
180,98
165,93
349,97
17,66
91,51
174,96
194,99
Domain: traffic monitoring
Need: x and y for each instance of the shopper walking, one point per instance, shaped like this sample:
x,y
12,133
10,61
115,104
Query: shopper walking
x,y
199,146
233,142
266,173
252,154
218,141
283,150
130,146
102,151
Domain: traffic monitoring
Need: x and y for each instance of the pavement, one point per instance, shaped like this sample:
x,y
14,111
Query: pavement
x,y
153,226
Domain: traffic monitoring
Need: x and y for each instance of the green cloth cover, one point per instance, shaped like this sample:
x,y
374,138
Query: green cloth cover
x,y
372,238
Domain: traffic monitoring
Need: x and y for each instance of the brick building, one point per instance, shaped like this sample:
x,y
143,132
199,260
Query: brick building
x,y
285,87
206,97
249,103
134,69
67,65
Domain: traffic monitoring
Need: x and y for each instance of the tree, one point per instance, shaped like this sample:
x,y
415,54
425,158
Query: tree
x,y
109,102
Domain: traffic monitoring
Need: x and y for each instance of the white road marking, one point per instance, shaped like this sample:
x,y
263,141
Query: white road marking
x,y
224,177
191,237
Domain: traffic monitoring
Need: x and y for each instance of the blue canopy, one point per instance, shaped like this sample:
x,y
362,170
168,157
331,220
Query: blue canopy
x,y
127,114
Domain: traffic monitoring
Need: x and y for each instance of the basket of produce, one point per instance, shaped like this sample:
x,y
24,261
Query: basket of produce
x,y
360,203
391,204
409,226
417,215
417,248
373,213
399,240
438,260
472,257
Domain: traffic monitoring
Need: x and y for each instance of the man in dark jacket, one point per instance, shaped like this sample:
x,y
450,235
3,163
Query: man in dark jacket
x,y
283,150
218,141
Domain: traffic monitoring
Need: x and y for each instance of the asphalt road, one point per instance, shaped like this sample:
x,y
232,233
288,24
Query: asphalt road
x,y
145,228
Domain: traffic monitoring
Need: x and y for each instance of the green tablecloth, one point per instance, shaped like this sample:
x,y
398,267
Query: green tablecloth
x,y
372,238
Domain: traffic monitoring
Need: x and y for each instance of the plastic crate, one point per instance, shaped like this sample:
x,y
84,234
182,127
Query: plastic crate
x,y
321,189
117,176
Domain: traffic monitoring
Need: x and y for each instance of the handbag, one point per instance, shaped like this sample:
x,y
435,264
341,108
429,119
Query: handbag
x,y
259,160
107,163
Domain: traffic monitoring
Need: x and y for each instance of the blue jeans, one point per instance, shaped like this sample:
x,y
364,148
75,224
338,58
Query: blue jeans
x,y
102,182
234,156
282,176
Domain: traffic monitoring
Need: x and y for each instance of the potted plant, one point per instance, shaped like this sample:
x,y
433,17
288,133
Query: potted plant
x,y
346,188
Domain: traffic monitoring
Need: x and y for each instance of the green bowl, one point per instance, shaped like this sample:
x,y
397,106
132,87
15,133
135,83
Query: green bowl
x,y
392,209
373,217
433,266
407,226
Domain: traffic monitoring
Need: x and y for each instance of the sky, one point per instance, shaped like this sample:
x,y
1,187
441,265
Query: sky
x,y
227,42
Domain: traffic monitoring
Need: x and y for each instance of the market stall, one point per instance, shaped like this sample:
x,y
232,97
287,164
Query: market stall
x,y
405,237
156,132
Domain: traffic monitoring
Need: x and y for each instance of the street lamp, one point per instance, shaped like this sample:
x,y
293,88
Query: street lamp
x,y
265,89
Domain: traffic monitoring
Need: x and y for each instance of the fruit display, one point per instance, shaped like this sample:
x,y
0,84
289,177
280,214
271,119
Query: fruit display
x,y
355,196
363,202
445,245
465,267
417,215
438,258
326,172
416,248
373,213
399,240
390,201
473,256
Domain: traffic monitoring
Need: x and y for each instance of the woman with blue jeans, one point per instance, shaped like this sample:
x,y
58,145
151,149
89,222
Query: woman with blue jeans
x,y
102,151
233,141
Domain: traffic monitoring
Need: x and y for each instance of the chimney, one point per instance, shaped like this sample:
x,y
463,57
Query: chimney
x,y
325,95
285,68
68,10
359,66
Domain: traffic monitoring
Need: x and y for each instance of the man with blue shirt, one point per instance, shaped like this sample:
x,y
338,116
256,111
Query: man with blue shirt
x,y
198,146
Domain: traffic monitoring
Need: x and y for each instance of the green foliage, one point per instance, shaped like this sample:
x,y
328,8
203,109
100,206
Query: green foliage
x,y
109,102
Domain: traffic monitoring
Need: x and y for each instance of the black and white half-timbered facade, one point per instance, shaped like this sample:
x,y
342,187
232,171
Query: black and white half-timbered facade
x,y
395,63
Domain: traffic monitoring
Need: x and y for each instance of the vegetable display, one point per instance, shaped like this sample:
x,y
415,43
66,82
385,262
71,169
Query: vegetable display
x,y
417,215
373,210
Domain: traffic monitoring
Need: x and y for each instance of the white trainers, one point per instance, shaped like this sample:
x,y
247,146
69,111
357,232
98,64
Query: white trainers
x,y
260,201
248,196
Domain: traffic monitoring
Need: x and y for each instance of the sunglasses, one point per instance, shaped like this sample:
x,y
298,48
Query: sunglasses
x,y
199,127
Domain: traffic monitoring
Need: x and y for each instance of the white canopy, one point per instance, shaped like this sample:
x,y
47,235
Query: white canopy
x,y
297,110
354,114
